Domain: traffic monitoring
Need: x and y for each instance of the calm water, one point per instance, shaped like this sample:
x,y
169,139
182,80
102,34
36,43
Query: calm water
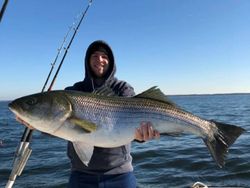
x,y
168,162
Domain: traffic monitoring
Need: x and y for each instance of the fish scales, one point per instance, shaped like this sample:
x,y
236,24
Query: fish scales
x,y
133,108
89,120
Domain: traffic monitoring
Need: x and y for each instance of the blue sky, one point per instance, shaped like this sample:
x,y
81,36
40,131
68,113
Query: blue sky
x,y
182,46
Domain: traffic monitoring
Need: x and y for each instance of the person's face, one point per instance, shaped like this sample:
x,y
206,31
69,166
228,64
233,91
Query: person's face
x,y
99,63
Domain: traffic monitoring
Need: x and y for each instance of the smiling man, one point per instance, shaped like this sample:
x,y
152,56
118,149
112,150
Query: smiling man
x,y
99,63
108,167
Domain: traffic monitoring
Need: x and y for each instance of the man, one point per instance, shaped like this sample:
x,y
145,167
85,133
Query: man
x,y
108,167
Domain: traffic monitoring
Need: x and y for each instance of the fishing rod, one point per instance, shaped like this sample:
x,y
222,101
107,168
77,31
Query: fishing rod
x,y
23,151
57,55
67,48
3,9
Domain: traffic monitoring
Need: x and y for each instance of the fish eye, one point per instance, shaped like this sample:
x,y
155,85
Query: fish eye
x,y
31,101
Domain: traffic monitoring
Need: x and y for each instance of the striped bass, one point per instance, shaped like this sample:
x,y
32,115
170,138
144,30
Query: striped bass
x,y
95,119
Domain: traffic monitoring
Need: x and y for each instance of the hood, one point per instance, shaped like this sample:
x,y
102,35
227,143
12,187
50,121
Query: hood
x,y
92,47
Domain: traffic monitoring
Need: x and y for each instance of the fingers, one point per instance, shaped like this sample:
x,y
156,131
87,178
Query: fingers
x,y
146,132
156,134
138,134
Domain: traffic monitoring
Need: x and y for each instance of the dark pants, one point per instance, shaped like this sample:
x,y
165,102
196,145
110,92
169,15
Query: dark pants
x,y
83,180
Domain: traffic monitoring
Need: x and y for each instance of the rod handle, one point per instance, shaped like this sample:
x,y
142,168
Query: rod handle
x,y
9,184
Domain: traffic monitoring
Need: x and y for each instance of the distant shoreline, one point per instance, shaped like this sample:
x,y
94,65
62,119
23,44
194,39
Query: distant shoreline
x,y
215,94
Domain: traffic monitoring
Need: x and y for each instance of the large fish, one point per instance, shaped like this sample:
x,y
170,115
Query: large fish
x,y
89,120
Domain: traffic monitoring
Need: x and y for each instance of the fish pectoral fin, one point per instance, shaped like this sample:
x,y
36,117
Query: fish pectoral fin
x,y
84,151
84,124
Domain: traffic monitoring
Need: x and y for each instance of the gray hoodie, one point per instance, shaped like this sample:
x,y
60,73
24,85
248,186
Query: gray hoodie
x,y
104,160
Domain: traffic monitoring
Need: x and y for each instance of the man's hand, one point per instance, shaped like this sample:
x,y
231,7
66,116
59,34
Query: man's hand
x,y
146,132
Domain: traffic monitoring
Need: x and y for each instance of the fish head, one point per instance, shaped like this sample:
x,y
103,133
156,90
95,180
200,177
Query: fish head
x,y
43,111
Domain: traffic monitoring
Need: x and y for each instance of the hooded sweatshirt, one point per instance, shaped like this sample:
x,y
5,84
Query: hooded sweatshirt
x,y
104,160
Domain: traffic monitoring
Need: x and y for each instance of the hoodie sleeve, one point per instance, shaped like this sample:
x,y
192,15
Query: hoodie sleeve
x,y
127,91
74,87
78,86
122,88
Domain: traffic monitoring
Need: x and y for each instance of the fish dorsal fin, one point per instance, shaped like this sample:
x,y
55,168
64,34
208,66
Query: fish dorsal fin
x,y
155,93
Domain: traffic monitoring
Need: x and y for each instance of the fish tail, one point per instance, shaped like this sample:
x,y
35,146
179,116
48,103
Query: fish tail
x,y
223,139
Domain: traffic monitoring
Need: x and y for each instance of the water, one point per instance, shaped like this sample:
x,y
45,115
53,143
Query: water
x,y
168,162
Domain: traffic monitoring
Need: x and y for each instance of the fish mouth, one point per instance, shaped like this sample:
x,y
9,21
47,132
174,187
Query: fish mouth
x,y
11,106
14,107
17,110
